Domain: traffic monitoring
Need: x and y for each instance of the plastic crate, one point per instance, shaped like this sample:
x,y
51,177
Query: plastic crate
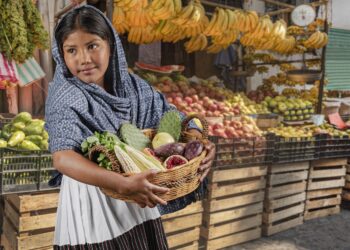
x,y
333,146
5,118
24,171
243,151
295,149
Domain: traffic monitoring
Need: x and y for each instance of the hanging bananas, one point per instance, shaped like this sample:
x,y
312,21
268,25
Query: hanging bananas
x,y
317,40
196,43
162,9
119,21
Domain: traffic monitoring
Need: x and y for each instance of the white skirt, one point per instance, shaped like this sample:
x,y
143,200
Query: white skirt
x,y
85,215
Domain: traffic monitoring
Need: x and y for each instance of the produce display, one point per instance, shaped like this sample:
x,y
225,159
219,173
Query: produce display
x,y
24,133
136,152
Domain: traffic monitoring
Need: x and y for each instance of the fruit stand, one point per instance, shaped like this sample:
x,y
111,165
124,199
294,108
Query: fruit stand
x,y
277,163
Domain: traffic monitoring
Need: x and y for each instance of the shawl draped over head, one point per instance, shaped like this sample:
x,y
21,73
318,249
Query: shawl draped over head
x,y
75,110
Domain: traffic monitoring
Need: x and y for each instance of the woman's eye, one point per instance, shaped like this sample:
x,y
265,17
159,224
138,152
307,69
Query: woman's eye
x,y
92,46
70,51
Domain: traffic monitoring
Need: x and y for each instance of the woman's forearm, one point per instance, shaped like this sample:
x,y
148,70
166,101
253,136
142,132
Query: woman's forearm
x,y
76,166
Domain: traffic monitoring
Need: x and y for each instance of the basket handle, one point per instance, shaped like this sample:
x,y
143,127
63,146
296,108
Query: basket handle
x,y
204,122
112,158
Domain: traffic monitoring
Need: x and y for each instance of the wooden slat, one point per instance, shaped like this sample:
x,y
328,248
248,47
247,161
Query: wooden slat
x,y
321,213
347,177
234,239
348,168
275,179
276,192
196,207
272,229
280,168
5,243
346,196
183,238
181,223
323,193
9,233
27,203
236,188
269,218
217,205
327,173
323,203
194,245
238,173
283,202
347,185
232,227
329,162
326,184
27,223
218,217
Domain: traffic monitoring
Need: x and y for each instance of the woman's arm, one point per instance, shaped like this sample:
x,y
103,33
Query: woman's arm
x,y
137,187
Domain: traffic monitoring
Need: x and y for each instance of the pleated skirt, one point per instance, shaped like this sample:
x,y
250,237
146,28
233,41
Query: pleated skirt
x,y
87,219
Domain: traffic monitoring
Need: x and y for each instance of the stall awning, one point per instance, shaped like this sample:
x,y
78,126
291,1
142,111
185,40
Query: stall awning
x,y
338,60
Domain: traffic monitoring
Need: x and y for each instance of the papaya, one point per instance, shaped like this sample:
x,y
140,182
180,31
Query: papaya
x,y
3,143
24,117
44,145
34,138
34,128
5,133
28,145
17,126
16,138
45,135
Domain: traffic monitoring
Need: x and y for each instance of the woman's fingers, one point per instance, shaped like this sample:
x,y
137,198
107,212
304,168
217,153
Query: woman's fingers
x,y
211,153
204,174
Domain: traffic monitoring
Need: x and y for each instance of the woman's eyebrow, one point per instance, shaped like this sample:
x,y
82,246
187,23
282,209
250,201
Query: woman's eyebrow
x,y
94,40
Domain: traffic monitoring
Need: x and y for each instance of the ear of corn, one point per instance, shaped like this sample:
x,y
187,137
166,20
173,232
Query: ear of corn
x,y
127,164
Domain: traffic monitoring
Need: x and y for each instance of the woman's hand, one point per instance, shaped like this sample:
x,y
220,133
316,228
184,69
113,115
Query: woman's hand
x,y
143,192
207,162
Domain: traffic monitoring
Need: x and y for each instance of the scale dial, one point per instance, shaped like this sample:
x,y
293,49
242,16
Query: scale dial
x,y
303,15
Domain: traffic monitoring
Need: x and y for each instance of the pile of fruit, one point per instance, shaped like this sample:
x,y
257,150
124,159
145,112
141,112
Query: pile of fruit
x,y
292,131
136,152
295,109
242,127
24,133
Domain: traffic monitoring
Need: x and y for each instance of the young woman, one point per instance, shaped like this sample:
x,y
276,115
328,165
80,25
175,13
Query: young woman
x,y
93,91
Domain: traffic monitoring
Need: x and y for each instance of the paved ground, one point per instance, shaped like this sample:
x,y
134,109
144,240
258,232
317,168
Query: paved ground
x,y
328,233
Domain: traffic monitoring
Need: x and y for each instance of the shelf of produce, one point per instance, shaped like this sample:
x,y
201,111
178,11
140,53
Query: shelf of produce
x,y
233,209
238,152
333,146
325,183
346,190
295,149
182,227
29,220
5,118
24,171
285,197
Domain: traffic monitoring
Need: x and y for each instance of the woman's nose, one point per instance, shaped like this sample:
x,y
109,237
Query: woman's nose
x,y
85,57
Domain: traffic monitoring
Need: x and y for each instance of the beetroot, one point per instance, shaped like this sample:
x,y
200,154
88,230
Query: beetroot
x,y
170,149
174,160
193,149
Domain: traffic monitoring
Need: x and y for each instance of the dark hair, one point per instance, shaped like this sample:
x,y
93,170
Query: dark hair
x,y
85,19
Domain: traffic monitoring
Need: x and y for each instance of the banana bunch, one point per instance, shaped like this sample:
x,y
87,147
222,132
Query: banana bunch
x,y
174,36
279,29
141,35
216,48
139,17
245,21
191,31
263,29
119,21
291,92
317,40
163,9
226,38
125,4
262,69
286,45
191,15
313,64
295,30
264,57
286,67
196,43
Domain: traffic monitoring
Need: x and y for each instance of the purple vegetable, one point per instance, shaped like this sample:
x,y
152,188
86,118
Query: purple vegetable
x,y
193,149
170,149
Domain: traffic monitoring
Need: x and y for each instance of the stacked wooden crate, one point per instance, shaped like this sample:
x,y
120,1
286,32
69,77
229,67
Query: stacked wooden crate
x,y
285,196
29,221
233,210
182,227
326,180
346,190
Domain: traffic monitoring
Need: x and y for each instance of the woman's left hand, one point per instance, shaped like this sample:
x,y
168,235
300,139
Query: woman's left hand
x,y
207,162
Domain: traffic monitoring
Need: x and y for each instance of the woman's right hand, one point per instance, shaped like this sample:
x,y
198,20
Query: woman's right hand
x,y
143,192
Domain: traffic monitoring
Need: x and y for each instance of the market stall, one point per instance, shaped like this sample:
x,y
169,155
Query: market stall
x,y
281,153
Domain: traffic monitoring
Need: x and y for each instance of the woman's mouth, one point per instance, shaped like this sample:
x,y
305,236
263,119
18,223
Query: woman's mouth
x,y
87,71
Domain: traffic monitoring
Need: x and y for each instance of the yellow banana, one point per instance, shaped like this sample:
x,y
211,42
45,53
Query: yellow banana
x,y
209,29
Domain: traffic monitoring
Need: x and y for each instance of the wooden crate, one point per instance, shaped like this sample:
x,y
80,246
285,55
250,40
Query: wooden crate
x,y
29,220
326,180
346,190
285,197
182,227
233,210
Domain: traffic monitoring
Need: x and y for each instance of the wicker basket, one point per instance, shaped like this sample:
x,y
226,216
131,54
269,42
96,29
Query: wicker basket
x,y
180,180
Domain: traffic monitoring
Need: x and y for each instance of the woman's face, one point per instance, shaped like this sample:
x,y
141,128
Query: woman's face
x,y
86,56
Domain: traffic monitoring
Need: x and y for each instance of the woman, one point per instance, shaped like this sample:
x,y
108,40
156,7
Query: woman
x,y
93,91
